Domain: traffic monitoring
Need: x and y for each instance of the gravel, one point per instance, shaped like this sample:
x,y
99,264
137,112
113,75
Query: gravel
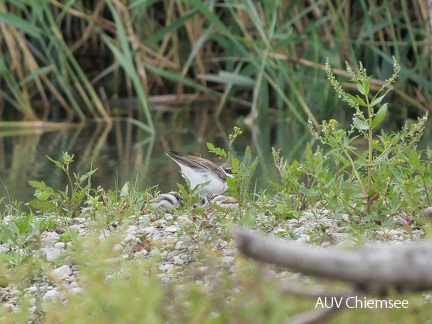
x,y
176,241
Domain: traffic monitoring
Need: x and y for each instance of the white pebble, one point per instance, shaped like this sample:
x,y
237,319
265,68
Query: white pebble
x,y
178,245
60,246
178,261
75,227
166,266
227,260
155,252
131,229
131,239
51,294
32,289
171,229
76,290
15,292
63,271
51,254
9,306
148,230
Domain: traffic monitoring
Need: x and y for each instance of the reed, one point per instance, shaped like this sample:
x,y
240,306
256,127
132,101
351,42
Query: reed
x,y
64,61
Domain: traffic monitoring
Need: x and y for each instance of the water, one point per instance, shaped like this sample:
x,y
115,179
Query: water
x,y
124,152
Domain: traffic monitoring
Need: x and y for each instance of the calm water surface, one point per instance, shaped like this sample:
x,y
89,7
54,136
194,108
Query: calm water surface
x,y
124,152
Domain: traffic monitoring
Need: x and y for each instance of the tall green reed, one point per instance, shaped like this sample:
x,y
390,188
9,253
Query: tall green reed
x,y
267,55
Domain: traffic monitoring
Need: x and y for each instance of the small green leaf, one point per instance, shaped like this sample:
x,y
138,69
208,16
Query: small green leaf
x,y
124,192
360,124
37,184
43,206
357,100
361,88
379,116
25,26
377,101
42,195
87,175
57,163
216,150
366,84
309,192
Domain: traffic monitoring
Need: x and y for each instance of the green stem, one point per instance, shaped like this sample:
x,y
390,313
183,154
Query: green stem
x,y
369,166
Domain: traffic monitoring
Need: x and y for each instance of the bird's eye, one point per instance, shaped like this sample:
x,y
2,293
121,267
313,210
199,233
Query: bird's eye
x,y
227,168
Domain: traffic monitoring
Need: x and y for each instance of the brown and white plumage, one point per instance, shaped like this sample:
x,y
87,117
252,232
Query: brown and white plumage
x,y
200,171
167,201
224,201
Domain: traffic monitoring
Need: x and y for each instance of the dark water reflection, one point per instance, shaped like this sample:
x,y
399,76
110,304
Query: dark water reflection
x,y
124,152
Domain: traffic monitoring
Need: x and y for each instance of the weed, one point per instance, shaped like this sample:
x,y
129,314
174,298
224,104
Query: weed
x,y
362,183
242,172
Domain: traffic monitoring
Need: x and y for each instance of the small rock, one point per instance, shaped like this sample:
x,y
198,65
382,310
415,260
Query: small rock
x,y
52,254
75,227
4,249
304,238
325,244
148,230
394,232
178,261
155,252
15,292
132,239
76,290
178,245
131,229
50,238
166,266
32,289
338,237
428,213
203,269
51,294
171,229
118,247
60,246
164,278
227,260
63,271
9,306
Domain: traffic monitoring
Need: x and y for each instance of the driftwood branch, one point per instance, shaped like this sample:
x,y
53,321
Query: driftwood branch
x,y
372,269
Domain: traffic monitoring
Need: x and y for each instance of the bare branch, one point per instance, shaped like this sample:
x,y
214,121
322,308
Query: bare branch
x,y
373,269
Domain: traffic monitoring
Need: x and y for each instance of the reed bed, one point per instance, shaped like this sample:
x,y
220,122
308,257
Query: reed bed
x,y
66,61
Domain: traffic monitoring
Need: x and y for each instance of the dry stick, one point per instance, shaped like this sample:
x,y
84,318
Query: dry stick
x,y
372,269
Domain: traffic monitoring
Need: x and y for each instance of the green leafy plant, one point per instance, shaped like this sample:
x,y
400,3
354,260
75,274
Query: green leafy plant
x,y
362,182
242,171
21,232
49,200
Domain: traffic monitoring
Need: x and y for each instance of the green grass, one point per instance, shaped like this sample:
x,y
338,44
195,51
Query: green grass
x,y
62,61
120,287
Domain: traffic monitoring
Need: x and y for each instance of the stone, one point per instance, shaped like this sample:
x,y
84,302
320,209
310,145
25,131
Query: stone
x,y
51,295
63,271
171,229
52,254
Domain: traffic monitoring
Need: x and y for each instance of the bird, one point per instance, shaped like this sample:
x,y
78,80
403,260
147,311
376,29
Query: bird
x,y
224,201
200,171
167,201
